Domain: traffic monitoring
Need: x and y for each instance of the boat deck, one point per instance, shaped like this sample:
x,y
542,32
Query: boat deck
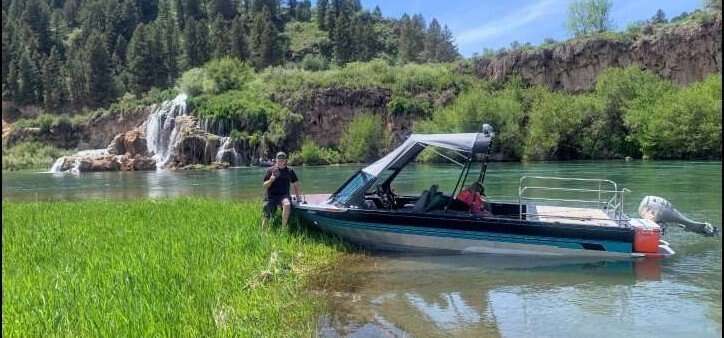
x,y
556,214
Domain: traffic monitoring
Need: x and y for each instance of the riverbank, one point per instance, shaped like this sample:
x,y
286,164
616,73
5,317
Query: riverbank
x,y
171,267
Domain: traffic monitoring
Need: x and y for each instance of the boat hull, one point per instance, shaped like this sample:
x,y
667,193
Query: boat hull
x,y
444,238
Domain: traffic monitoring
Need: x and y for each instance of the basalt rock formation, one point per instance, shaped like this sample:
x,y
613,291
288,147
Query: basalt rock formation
x,y
682,53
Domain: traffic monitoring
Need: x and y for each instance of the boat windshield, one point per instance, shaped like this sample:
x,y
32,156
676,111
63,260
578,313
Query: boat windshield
x,y
353,185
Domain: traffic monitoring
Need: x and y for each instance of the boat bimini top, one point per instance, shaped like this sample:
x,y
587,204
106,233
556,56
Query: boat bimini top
x,y
465,145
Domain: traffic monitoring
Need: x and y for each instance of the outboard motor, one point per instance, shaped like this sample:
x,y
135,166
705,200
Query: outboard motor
x,y
661,211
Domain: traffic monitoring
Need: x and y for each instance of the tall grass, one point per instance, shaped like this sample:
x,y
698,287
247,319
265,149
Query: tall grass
x,y
182,267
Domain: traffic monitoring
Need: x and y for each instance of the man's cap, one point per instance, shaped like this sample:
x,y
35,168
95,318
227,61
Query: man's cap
x,y
281,156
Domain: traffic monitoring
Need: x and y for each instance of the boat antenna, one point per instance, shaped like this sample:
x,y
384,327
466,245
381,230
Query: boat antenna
x,y
487,131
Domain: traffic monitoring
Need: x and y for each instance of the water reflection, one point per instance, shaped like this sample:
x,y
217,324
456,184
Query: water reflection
x,y
488,295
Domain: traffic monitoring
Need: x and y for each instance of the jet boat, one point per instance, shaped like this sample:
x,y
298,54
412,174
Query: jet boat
x,y
552,216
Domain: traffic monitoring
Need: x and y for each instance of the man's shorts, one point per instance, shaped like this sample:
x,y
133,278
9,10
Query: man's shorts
x,y
271,204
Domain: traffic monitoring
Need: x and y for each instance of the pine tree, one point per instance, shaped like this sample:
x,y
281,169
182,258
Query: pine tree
x,y
193,9
343,39
412,38
10,84
377,12
195,43
219,38
167,25
158,56
100,79
223,8
322,6
447,51
7,31
304,11
659,17
264,40
239,40
147,10
292,9
140,61
433,42
54,93
37,17
29,85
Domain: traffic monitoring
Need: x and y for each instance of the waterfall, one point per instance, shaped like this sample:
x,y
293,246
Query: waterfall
x,y
58,165
161,131
227,146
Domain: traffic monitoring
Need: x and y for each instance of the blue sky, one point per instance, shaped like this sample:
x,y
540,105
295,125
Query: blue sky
x,y
494,24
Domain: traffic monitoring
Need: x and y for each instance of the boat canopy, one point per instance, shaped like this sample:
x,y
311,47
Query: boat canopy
x,y
467,144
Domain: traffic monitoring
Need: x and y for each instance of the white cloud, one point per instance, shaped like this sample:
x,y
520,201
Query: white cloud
x,y
510,22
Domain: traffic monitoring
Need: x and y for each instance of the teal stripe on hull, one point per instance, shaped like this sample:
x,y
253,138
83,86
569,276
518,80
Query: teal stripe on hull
x,y
567,243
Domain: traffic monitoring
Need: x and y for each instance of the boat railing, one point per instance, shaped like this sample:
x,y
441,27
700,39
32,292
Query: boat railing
x,y
573,192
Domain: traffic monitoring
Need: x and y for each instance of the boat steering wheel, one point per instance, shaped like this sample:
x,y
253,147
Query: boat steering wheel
x,y
386,197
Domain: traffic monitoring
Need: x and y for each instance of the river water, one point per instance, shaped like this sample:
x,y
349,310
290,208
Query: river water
x,y
479,296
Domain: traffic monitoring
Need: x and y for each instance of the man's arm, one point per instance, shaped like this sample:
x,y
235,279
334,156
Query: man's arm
x,y
269,179
297,190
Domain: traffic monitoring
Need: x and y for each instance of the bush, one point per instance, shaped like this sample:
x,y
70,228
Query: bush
x,y
315,63
311,153
30,155
502,109
400,105
192,82
217,76
680,123
364,139
227,74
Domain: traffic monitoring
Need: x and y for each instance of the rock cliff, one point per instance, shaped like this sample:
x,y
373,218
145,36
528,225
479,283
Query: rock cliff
x,y
683,53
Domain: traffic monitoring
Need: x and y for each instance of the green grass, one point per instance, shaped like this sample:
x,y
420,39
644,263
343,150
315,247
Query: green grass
x,y
180,268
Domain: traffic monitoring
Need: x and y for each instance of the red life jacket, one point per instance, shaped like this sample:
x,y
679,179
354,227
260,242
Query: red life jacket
x,y
471,199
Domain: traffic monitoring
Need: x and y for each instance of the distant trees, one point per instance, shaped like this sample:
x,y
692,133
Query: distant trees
x,y
589,16
69,54
420,43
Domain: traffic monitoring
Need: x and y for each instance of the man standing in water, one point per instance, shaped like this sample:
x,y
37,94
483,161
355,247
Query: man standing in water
x,y
276,184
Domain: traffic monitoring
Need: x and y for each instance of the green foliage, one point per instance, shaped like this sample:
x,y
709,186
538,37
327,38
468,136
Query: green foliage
x,y
589,16
314,63
409,79
31,155
313,154
226,74
197,271
679,123
400,105
306,40
481,104
364,139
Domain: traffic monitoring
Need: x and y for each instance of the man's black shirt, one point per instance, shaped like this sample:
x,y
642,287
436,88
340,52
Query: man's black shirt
x,y
280,186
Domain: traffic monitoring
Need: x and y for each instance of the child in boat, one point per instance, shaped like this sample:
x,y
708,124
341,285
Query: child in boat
x,y
474,197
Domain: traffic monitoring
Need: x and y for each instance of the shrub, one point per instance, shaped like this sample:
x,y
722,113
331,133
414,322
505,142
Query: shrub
x,y
311,153
680,123
400,105
192,82
315,63
217,76
502,109
227,74
30,155
364,139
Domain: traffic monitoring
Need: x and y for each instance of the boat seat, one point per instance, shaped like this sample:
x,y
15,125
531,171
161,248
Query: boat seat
x,y
422,203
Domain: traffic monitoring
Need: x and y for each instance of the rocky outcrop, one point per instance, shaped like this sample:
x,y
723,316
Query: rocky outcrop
x,y
327,111
683,53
